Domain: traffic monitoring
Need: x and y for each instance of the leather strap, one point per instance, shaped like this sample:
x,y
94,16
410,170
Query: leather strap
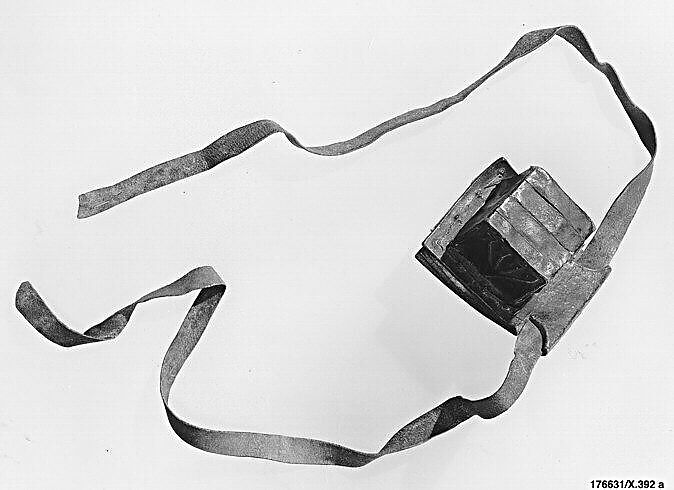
x,y
598,252
449,414
286,449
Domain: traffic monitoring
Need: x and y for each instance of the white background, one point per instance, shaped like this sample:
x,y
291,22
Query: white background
x,y
329,327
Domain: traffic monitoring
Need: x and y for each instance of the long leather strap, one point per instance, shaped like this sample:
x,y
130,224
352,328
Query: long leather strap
x,y
286,449
598,252
449,414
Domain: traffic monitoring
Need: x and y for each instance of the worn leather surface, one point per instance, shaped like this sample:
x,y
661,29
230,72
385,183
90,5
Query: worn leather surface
x,y
597,254
287,449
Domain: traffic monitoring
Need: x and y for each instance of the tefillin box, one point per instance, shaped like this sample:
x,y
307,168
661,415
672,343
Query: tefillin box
x,y
508,247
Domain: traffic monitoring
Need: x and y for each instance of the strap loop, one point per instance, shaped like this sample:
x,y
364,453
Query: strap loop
x,y
285,449
599,251
449,414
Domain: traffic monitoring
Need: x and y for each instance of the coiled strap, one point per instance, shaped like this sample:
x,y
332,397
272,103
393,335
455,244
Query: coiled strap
x,y
271,446
599,251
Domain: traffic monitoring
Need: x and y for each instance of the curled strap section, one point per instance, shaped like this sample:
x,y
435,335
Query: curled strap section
x,y
599,251
241,139
275,447
33,308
